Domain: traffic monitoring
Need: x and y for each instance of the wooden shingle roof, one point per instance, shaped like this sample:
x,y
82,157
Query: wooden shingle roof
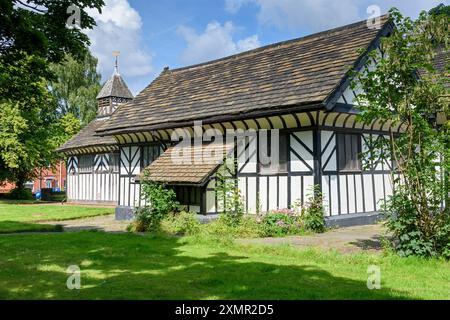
x,y
441,62
87,138
187,165
115,87
299,72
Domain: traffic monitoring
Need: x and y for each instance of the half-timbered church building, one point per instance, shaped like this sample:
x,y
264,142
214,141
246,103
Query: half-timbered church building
x,y
300,87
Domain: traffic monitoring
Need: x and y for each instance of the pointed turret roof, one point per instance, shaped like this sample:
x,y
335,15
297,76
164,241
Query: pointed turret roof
x,y
115,87
86,141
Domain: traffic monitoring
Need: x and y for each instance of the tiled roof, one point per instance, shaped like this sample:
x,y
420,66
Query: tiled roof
x,y
303,71
188,165
87,138
115,87
441,61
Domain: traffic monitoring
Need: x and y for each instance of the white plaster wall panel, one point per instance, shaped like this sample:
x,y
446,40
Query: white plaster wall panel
x,y
210,202
379,190
242,185
249,154
388,185
132,194
334,203
135,163
343,194
328,151
326,192
124,163
137,193
283,192
296,188
263,193
273,193
83,191
252,195
368,192
308,186
359,194
306,137
349,96
351,193
296,164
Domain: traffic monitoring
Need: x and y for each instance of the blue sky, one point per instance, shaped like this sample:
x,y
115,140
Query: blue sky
x,y
152,34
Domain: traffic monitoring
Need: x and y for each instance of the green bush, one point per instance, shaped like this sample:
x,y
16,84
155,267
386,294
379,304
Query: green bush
x,y
313,215
21,194
413,235
182,223
161,202
52,196
145,220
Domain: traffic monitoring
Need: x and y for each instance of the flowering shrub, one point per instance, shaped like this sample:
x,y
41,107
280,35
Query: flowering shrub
x,y
313,215
281,223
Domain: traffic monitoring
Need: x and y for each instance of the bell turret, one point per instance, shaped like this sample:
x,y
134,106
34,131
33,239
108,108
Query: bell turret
x,y
114,93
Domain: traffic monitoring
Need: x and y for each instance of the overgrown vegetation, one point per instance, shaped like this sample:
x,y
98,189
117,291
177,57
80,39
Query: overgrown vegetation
x,y
229,197
159,203
163,216
408,89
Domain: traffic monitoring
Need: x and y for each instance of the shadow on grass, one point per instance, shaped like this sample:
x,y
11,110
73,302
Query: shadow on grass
x,y
8,227
141,267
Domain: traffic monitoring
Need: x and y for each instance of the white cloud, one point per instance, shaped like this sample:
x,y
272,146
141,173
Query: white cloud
x,y
215,42
313,14
407,7
317,15
119,28
233,6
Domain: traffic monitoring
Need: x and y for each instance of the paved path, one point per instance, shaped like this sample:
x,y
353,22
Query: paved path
x,y
100,223
345,240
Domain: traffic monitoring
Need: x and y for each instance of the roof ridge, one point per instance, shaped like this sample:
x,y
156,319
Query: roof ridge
x,y
273,45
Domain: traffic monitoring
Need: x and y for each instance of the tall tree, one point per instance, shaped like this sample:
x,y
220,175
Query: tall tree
x,y
33,34
76,87
440,9
408,88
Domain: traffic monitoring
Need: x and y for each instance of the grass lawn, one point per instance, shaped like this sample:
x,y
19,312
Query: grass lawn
x,y
21,216
33,212
128,266
17,227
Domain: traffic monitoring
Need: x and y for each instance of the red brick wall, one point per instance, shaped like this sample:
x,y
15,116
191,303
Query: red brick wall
x,y
51,178
6,188
46,178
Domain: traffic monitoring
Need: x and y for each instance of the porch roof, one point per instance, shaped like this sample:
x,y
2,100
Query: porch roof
x,y
188,165
295,73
